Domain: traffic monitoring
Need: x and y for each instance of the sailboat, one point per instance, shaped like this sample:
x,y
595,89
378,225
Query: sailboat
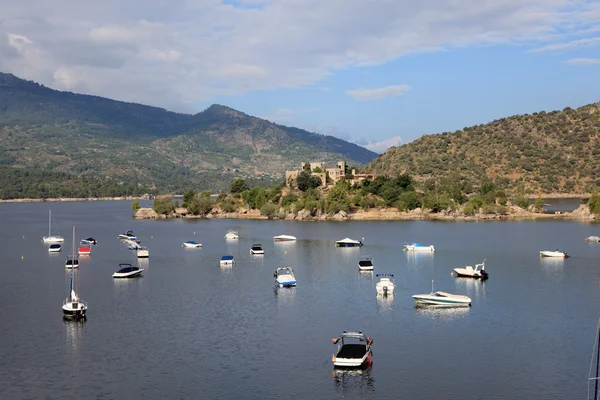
x,y
73,307
50,238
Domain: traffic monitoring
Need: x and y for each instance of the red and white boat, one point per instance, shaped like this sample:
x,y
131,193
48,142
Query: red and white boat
x,y
84,249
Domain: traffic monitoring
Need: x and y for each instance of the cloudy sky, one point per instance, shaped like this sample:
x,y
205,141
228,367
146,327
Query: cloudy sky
x,y
375,72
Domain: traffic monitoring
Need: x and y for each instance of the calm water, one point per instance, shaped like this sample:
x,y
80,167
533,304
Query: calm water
x,y
190,329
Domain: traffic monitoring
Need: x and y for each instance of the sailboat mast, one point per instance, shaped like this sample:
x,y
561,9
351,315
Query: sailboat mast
x,y
49,221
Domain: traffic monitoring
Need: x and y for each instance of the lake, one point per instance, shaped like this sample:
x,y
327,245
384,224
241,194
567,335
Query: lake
x,y
189,329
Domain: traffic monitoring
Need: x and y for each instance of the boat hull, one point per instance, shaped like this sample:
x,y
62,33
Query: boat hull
x,y
556,254
70,311
441,301
52,239
412,247
128,274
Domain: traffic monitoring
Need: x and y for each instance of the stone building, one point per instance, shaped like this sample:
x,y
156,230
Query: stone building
x,y
335,174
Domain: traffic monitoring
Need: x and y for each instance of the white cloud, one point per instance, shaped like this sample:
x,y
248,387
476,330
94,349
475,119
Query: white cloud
x,y
379,93
568,45
584,61
382,146
180,52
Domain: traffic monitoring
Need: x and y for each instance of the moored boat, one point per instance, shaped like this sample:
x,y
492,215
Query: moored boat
x,y
72,262
385,284
365,263
353,351
232,235
84,249
73,307
191,243
418,247
143,252
257,249
128,235
226,261
441,299
54,248
127,271
472,272
592,239
553,253
347,242
51,238
284,238
89,240
284,276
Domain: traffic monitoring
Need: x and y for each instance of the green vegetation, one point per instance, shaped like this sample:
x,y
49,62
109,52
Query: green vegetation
x,y
135,206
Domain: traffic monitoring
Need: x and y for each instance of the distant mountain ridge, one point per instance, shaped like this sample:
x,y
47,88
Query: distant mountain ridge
x,y
46,129
554,152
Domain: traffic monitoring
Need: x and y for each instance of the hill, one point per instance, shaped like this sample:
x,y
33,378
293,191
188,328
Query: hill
x,y
90,136
554,152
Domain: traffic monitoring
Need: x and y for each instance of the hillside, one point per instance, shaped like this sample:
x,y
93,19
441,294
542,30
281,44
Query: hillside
x,y
90,136
555,152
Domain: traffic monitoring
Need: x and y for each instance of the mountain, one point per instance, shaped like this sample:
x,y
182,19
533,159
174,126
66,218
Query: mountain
x,y
91,136
554,152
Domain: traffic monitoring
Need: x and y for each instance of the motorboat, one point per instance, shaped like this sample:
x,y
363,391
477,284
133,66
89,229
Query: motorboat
x,y
353,350
592,239
191,243
143,252
418,247
84,249
132,244
257,249
472,272
128,235
441,299
555,253
284,238
89,240
347,242
51,238
73,307
365,263
54,248
385,284
127,271
284,276
72,262
232,235
226,261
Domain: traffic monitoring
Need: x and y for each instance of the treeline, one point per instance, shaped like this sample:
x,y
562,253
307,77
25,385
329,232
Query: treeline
x,y
23,183
451,194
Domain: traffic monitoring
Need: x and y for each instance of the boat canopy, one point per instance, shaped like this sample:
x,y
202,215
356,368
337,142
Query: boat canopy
x,y
381,275
226,258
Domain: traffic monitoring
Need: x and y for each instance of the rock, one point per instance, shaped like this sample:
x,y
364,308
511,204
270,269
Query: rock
x,y
209,216
343,213
290,216
181,211
146,213
339,217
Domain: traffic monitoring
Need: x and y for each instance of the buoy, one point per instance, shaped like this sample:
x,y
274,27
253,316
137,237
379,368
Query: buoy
x,y
285,252
22,257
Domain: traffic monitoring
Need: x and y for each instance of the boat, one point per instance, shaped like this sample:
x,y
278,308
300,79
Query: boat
x,y
257,249
72,262
232,235
127,271
54,248
84,249
89,240
132,244
226,261
284,238
73,307
128,235
592,239
469,271
365,263
143,252
385,285
51,238
418,247
555,253
441,299
191,243
284,276
347,242
354,350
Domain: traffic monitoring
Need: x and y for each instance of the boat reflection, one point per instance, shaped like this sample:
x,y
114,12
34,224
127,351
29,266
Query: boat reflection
x,y
366,275
442,311
75,331
144,263
284,295
474,288
418,259
385,304
355,381
553,267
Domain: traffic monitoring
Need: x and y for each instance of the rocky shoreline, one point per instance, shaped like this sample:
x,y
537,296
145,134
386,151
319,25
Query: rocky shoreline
x,y
381,214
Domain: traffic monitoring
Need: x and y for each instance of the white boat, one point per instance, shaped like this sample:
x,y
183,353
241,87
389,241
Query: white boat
x,y
73,307
365,263
347,242
51,238
385,285
477,272
128,236
592,239
89,240
127,271
418,247
284,238
132,244
354,350
555,253
226,261
54,248
232,235
257,249
284,276
191,243
441,299
143,252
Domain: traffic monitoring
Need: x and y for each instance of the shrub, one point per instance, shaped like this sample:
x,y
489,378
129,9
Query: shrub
x,y
268,210
594,203
539,204
469,209
135,206
289,199
163,205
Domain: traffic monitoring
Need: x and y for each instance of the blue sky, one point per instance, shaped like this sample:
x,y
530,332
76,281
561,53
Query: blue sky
x,y
377,72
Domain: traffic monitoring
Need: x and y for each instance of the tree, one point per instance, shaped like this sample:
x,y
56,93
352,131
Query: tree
x,y
307,181
163,205
306,167
188,196
539,204
135,206
238,186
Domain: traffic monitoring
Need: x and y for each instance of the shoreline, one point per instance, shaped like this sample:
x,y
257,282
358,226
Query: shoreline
x,y
67,199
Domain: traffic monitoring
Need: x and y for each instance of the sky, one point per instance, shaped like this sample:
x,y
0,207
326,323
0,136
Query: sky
x,y
378,73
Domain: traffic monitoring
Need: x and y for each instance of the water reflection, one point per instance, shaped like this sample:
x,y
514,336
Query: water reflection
x,y
416,259
552,267
75,331
357,382
284,295
365,275
442,312
385,304
143,263
474,288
